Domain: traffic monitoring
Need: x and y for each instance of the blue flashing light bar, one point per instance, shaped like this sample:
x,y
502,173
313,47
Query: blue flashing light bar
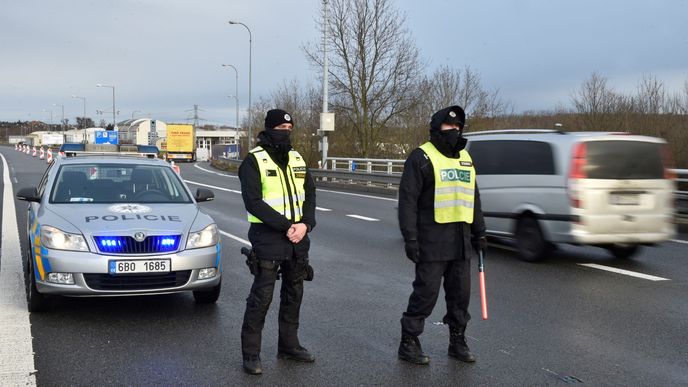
x,y
128,245
147,149
72,147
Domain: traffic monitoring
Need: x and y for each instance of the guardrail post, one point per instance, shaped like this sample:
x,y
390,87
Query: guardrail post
x,y
350,169
389,172
333,166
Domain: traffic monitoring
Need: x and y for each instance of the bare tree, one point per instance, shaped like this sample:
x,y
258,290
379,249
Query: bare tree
x,y
650,97
594,97
677,103
373,66
596,102
303,103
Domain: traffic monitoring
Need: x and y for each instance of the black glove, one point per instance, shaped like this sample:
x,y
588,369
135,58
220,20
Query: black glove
x,y
412,251
480,244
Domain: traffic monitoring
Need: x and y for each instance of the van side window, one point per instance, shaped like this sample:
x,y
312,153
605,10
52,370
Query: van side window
x,y
512,157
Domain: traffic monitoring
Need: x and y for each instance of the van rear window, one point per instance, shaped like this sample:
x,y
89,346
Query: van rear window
x,y
624,160
512,157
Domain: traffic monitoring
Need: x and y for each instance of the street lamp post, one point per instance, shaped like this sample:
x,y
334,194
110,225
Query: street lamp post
x,y
84,99
132,113
236,97
250,44
61,122
113,103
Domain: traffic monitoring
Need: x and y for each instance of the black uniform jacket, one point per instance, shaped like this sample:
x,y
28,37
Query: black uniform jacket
x,y
438,242
269,239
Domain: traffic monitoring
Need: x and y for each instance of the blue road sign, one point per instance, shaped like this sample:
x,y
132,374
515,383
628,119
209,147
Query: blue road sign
x,y
107,137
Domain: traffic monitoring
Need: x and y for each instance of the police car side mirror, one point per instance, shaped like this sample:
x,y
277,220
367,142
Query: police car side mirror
x,y
204,195
29,194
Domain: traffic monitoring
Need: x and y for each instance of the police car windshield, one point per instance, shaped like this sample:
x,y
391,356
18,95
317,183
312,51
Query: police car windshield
x,y
117,183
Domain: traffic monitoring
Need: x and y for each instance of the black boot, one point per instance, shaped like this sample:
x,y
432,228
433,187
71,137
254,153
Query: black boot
x,y
410,350
252,365
458,347
299,354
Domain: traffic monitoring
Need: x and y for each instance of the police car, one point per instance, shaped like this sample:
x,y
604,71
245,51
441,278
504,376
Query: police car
x,y
109,224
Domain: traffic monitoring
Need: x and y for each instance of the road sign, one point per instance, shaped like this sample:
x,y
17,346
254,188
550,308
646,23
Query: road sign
x,y
107,137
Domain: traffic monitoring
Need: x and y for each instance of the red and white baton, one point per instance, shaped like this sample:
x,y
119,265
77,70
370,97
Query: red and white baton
x,y
481,277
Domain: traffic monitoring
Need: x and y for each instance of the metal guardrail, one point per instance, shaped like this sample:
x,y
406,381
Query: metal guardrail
x,y
385,166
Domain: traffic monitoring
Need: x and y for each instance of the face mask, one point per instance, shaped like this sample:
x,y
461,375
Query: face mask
x,y
453,138
450,137
279,137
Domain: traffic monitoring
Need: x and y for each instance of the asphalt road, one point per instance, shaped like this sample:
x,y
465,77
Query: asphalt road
x,y
551,323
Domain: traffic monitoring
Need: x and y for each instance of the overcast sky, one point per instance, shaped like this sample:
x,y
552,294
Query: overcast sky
x,y
164,56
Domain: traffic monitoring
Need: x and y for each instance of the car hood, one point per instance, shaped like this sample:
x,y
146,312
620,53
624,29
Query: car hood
x,y
127,218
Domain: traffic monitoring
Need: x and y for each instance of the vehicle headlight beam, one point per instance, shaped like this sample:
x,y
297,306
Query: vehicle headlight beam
x,y
54,238
204,238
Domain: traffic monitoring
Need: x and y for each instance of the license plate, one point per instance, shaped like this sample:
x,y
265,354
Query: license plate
x,y
140,266
624,200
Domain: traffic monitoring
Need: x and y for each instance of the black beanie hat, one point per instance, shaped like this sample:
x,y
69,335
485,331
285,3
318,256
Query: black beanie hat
x,y
276,117
449,115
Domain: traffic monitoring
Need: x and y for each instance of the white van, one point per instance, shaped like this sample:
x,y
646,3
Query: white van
x,y
542,187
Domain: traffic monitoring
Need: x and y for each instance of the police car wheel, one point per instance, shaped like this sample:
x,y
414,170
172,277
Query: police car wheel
x,y
530,242
36,301
207,296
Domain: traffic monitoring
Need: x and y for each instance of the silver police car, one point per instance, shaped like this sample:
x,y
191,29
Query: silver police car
x,y
114,224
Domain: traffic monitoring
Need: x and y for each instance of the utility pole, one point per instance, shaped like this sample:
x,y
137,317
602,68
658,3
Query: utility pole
x,y
326,118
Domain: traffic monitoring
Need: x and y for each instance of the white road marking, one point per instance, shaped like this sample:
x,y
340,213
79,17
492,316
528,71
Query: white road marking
x,y
624,272
216,173
236,238
363,218
679,241
359,195
16,351
212,186
323,209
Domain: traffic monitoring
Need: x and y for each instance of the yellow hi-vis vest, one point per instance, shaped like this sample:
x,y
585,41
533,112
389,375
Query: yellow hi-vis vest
x,y
274,184
454,185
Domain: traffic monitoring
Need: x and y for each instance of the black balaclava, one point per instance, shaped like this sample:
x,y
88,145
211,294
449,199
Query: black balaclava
x,y
278,138
452,138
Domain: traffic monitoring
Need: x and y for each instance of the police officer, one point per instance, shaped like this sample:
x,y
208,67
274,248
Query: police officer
x,y
279,195
442,224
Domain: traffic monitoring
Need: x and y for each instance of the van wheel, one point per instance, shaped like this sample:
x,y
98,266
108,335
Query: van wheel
x,y
208,296
36,301
530,242
623,251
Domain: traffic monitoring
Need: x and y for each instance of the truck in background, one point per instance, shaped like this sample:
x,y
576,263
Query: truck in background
x,y
180,142
41,138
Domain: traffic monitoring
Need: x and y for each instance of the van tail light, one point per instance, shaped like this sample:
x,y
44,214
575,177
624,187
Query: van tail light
x,y
576,172
668,163
578,163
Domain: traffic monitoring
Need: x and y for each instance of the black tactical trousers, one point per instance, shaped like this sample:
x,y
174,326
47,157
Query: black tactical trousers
x,y
258,302
426,288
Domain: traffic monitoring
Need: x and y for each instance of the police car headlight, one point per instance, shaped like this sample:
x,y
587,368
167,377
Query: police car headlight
x,y
57,239
204,238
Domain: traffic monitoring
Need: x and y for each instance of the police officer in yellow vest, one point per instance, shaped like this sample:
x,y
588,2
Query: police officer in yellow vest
x,y
279,195
442,225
